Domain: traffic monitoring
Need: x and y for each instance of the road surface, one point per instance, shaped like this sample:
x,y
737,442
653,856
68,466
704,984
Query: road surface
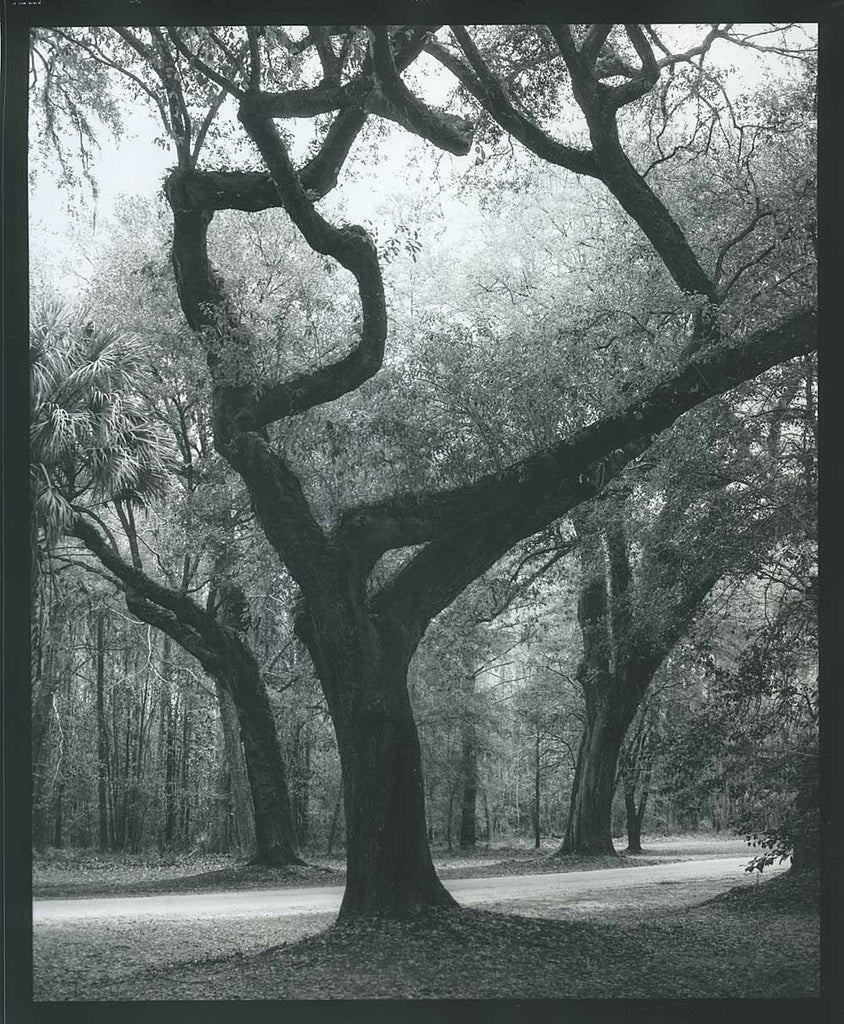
x,y
562,887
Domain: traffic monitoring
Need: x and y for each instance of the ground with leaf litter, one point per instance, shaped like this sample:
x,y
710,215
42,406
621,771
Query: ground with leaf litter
x,y
73,874
664,940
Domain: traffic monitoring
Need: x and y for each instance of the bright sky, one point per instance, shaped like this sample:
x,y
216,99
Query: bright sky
x,y
62,229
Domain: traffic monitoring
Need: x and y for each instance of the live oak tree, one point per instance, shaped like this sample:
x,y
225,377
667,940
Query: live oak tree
x,y
361,636
638,598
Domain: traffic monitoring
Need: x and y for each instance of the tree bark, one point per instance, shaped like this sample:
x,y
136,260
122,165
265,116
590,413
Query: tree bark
x,y
589,823
241,799
275,835
537,778
102,749
363,670
469,751
335,817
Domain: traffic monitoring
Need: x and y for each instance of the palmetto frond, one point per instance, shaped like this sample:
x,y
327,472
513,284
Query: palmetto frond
x,y
90,436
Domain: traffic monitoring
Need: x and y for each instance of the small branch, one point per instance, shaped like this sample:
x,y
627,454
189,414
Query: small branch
x,y
254,59
200,65
719,263
752,262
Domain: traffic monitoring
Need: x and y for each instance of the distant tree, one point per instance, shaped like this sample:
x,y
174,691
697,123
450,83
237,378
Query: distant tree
x,y
95,446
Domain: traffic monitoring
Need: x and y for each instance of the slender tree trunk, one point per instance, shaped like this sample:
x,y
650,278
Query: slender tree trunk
x,y
634,820
184,776
469,751
303,820
58,819
102,748
168,712
487,822
46,657
335,817
537,778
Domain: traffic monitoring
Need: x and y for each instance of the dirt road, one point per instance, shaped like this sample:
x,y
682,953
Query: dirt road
x,y
562,889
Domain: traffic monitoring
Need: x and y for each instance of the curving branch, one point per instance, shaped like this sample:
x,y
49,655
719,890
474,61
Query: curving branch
x,y
617,172
479,80
321,173
643,81
168,622
141,586
353,249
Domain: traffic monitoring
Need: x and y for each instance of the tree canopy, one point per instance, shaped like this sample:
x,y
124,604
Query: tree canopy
x,y
622,332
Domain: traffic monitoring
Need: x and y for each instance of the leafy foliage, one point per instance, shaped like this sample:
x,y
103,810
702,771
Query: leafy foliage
x,y
91,440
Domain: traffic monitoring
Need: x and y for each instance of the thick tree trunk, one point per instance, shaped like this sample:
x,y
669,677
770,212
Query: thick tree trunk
x,y
389,871
590,814
275,834
389,866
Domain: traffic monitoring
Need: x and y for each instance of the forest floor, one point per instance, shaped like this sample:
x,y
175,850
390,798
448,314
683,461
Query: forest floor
x,y
759,939
74,874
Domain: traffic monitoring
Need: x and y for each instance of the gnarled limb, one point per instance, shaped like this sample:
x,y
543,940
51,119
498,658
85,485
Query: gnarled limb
x,y
137,581
448,132
599,107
